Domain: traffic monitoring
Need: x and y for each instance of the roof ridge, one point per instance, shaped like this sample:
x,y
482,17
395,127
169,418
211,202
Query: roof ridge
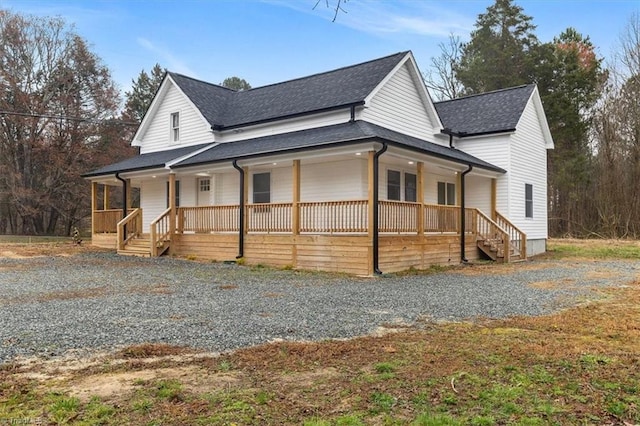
x,y
201,81
403,53
486,93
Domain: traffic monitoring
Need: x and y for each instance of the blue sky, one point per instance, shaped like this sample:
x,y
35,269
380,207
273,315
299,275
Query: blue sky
x,y
266,41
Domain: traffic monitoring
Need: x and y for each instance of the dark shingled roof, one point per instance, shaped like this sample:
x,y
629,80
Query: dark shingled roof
x,y
345,133
345,86
145,161
491,112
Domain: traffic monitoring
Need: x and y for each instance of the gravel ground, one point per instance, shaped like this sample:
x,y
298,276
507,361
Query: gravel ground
x,y
100,301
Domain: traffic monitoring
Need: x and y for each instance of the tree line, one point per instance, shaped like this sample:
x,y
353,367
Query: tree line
x,y
593,111
61,116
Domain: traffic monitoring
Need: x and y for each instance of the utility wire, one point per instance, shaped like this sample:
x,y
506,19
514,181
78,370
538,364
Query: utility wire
x,y
69,118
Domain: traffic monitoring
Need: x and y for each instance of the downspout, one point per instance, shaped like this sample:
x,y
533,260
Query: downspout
x,y
463,256
451,141
124,200
353,114
376,156
241,225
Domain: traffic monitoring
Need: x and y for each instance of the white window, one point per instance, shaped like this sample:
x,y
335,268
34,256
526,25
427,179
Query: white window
x,y
446,193
205,185
528,200
175,127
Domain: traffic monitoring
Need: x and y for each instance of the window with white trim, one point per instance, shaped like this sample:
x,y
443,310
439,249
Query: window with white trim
x,y
446,194
175,127
528,200
205,184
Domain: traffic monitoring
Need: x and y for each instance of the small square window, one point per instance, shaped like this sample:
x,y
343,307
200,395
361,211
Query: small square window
x,y
175,127
205,185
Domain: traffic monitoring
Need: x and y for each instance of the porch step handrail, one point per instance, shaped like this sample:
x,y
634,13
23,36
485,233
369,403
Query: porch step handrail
x,y
487,229
160,233
129,227
517,238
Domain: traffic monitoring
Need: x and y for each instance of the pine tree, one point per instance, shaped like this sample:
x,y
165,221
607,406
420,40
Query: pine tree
x,y
497,56
142,92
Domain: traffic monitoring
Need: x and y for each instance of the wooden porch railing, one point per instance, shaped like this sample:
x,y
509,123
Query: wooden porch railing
x,y
489,230
397,216
208,218
159,231
438,218
269,217
128,228
516,237
106,221
334,216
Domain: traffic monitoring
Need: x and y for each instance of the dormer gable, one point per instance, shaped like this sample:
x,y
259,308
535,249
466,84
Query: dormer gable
x,y
402,102
171,121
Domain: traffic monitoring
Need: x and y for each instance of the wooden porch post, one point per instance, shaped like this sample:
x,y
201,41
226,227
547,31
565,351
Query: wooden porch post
x,y
295,212
458,188
420,197
370,210
105,199
94,206
128,196
494,198
246,199
172,204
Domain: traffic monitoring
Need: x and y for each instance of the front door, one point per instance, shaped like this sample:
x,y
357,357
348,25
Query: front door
x,y
204,191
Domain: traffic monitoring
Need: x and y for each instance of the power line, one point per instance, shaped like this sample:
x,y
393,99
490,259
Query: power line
x,y
69,118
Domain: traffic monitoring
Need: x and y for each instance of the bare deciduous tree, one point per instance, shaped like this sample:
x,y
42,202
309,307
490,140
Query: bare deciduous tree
x,y
441,77
54,92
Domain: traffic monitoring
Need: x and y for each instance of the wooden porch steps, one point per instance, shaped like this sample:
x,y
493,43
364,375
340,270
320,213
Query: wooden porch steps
x,y
138,246
494,249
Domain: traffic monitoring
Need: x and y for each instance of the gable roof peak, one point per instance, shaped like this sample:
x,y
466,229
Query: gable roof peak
x,y
491,92
197,80
322,73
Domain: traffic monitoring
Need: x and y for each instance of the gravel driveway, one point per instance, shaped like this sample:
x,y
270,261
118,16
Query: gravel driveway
x,y
101,301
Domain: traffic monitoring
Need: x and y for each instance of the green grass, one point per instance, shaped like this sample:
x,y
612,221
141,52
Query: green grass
x,y
32,239
601,250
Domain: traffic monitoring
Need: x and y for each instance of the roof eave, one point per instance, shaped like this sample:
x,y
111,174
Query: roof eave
x,y
222,127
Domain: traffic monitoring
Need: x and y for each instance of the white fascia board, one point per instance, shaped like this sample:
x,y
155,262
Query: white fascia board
x,y
151,111
542,118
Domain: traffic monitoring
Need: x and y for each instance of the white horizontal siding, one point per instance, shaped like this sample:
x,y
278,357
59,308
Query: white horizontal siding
x,y
285,126
432,176
338,180
529,166
478,193
153,200
399,106
193,129
226,190
497,151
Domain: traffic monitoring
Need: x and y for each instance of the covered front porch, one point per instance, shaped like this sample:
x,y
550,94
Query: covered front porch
x,y
359,236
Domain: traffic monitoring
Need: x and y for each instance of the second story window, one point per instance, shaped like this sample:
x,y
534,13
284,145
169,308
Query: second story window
x,y
175,127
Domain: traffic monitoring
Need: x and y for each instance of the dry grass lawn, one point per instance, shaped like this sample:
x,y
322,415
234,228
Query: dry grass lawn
x,y
579,366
